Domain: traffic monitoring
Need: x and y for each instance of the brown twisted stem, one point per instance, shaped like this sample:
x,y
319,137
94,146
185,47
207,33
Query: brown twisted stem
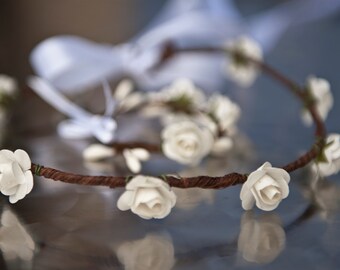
x,y
202,181
120,181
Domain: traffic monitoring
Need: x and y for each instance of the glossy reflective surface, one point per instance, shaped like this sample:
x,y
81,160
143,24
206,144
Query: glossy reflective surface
x,y
62,226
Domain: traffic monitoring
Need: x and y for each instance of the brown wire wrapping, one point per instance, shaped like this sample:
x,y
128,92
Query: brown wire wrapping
x,y
206,182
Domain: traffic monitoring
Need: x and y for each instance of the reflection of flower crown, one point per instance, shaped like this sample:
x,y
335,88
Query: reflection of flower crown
x,y
194,128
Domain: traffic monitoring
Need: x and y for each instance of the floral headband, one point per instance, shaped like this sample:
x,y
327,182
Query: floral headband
x,y
193,129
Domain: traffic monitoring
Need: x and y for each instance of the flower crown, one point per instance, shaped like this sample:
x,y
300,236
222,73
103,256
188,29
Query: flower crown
x,y
194,127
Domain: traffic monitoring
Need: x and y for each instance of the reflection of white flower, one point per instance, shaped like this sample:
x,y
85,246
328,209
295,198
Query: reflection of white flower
x,y
16,179
267,186
190,198
332,154
240,70
154,252
15,241
133,158
224,111
320,91
261,240
148,197
186,142
97,152
8,86
326,195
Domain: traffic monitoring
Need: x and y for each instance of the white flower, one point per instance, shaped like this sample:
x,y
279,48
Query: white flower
x,y
267,186
224,111
148,197
239,70
154,252
8,85
97,152
125,97
320,91
332,154
131,102
15,241
186,142
261,240
16,179
182,92
123,89
200,119
134,156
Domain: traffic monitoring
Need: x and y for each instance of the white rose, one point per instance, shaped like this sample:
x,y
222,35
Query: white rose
x,y
15,241
16,179
321,91
148,197
154,252
267,186
243,72
332,154
261,240
187,142
224,111
8,85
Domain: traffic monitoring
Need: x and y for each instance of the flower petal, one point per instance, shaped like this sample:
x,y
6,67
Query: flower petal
x,y
141,153
132,161
252,179
29,181
125,200
20,194
123,89
23,159
247,201
6,156
97,152
276,173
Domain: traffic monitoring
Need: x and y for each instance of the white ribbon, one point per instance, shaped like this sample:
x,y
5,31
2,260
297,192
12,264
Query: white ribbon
x,y
70,63
82,124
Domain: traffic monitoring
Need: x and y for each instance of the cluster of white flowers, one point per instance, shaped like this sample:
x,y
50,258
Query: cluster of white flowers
x,y
194,125
202,127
